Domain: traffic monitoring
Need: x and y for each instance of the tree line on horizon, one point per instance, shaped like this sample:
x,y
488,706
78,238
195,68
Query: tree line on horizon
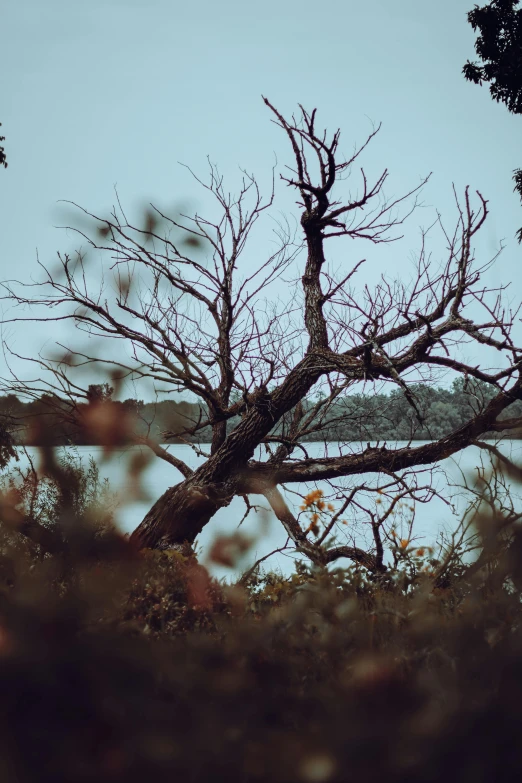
x,y
357,417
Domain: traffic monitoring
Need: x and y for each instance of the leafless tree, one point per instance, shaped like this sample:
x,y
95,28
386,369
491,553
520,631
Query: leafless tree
x,y
195,315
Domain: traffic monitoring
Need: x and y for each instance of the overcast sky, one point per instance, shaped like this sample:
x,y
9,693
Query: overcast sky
x,y
116,92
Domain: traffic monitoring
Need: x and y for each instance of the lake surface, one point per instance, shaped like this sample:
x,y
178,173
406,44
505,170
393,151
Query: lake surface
x,y
430,518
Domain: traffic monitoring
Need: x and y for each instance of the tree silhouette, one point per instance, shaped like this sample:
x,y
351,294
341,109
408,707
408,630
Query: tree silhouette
x,y
3,159
499,46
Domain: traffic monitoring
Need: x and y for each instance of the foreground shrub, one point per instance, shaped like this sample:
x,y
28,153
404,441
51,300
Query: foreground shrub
x,y
125,666
124,670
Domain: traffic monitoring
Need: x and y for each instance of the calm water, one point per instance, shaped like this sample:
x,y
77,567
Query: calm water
x,y
430,518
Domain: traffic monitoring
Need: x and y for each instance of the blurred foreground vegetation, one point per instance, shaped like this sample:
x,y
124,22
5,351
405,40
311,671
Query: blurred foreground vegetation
x,y
124,666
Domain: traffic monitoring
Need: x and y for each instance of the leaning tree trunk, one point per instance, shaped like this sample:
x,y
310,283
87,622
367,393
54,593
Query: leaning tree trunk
x,y
182,512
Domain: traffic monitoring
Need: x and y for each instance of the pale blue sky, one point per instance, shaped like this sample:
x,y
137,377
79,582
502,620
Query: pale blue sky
x,y
116,92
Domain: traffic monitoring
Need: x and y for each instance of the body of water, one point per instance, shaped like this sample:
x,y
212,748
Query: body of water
x,y
429,518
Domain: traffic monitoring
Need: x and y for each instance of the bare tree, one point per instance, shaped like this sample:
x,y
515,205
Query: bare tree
x,y
197,320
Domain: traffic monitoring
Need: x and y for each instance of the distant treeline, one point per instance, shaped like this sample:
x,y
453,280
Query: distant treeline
x,y
424,413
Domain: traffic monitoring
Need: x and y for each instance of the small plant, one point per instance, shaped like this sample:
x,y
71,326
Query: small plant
x,y
67,489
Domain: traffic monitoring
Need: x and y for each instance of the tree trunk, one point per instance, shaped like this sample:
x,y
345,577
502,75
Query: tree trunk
x,y
184,510
180,514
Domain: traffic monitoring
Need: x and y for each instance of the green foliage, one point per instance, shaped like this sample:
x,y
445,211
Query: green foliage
x,y
356,417
7,449
170,595
99,392
499,46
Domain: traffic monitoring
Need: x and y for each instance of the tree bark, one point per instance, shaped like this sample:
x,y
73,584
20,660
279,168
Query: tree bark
x,y
180,514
